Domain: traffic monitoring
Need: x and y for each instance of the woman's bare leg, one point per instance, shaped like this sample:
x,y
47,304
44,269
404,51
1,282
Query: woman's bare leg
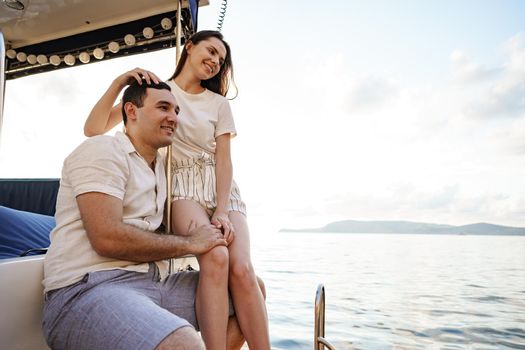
x,y
235,339
211,304
248,299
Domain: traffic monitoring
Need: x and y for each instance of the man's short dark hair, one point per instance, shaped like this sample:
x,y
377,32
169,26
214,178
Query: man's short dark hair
x,y
135,93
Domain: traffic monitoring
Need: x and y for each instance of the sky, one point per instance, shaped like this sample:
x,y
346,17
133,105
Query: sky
x,y
366,110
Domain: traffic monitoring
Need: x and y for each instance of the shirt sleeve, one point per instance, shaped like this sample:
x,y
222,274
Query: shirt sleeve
x,y
225,123
98,165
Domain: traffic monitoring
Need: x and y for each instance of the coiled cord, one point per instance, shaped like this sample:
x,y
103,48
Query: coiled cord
x,y
222,14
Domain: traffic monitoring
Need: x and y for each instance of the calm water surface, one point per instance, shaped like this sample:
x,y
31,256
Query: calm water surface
x,y
395,291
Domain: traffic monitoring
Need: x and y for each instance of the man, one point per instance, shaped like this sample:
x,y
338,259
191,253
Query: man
x,y
106,277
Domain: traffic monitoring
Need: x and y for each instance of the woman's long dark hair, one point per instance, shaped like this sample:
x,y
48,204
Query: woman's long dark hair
x,y
220,83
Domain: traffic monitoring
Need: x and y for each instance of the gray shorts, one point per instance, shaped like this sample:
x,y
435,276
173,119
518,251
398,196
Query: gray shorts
x,y
119,309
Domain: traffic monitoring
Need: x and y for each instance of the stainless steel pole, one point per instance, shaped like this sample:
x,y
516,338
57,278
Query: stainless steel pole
x,y
169,172
2,82
169,148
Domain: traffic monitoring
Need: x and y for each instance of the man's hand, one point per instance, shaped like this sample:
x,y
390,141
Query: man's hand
x,y
203,238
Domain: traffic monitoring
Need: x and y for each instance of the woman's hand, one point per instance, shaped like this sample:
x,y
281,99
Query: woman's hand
x,y
221,220
104,116
137,74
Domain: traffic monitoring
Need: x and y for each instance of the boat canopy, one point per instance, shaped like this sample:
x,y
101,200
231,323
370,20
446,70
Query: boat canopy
x,y
47,35
38,36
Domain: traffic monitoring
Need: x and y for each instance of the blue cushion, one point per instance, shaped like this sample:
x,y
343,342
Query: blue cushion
x,y
22,230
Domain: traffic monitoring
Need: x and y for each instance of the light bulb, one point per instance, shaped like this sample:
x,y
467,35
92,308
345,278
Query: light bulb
x,y
69,59
84,57
130,40
42,59
11,54
21,57
98,53
31,59
55,60
113,47
148,33
166,23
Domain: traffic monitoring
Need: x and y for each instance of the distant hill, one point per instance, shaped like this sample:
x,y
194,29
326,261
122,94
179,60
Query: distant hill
x,y
354,226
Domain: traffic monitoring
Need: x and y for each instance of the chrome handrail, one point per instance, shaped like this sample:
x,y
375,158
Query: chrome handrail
x,y
178,34
2,81
319,340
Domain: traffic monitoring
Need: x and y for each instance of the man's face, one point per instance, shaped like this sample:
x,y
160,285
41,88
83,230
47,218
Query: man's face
x,y
157,118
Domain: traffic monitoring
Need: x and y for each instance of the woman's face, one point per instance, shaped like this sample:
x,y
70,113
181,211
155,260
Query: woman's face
x,y
206,58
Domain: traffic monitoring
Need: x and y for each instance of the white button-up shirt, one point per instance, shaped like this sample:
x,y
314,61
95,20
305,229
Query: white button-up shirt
x,y
110,165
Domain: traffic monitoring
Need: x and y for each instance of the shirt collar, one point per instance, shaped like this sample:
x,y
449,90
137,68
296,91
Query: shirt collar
x,y
125,142
128,147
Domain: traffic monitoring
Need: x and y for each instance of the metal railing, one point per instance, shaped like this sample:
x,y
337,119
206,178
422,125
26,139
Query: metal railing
x,y
319,341
168,148
2,81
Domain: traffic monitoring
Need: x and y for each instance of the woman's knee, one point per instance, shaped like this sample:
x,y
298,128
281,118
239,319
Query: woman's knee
x,y
242,273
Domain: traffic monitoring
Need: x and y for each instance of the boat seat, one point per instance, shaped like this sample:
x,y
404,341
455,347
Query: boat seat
x,y
21,302
32,195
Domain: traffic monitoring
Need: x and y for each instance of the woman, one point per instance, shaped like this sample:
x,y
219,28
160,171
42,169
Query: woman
x,y
203,189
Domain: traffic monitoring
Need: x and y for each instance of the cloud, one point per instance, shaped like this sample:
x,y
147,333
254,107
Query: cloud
x,y
515,50
348,90
369,92
447,205
359,131
494,208
409,196
505,95
513,138
466,70
506,99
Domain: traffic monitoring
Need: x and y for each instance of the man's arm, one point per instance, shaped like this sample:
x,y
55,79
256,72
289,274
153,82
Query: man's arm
x,y
110,237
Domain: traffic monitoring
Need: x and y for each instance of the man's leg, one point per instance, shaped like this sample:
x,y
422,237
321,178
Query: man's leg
x,y
112,309
182,339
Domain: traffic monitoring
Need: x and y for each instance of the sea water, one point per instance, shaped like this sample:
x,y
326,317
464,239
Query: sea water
x,y
394,291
